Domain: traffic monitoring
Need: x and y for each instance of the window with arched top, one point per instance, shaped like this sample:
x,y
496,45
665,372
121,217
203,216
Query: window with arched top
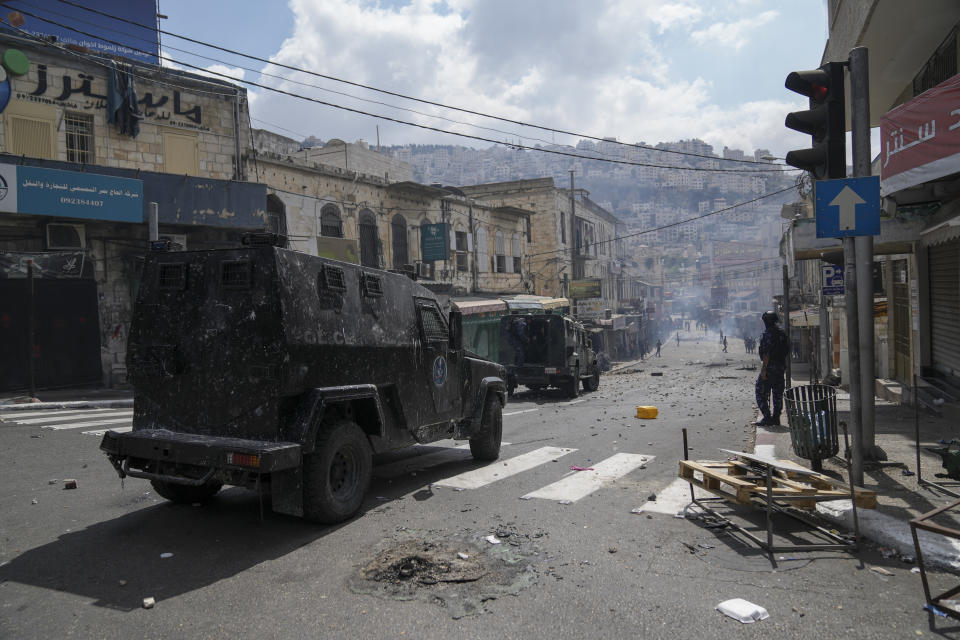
x,y
500,252
483,261
398,241
331,225
369,239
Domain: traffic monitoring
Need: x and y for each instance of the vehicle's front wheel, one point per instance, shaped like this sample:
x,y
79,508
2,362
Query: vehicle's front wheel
x,y
593,382
184,493
486,444
337,473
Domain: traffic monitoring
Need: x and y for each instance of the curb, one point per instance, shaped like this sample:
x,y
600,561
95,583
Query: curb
x,y
69,404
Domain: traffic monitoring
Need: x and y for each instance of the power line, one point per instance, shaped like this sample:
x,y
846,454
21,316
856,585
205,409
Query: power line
x,y
387,118
393,93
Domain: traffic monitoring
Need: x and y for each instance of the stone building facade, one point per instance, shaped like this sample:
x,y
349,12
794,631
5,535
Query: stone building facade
x,y
76,198
380,222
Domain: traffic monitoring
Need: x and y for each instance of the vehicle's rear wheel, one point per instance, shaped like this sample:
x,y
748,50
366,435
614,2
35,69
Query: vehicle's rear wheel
x,y
486,444
184,493
592,383
337,473
573,385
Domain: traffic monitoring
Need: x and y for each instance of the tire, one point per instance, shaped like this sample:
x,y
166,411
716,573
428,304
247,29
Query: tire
x,y
486,444
592,383
184,493
572,386
337,473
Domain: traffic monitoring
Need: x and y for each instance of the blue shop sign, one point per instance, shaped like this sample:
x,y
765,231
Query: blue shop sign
x,y
71,194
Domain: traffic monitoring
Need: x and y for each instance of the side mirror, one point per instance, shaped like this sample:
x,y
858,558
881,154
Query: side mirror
x,y
456,330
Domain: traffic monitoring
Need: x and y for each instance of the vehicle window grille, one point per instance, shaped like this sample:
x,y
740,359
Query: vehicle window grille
x,y
172,276
235,274
434,328
372,287
333,278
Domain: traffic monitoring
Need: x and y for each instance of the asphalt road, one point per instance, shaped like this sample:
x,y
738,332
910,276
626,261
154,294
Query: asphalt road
x,y
573,560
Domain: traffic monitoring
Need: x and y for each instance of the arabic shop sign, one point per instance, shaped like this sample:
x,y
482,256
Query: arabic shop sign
x,y
52,192
49,264
587,288
433,242
75,90
920,139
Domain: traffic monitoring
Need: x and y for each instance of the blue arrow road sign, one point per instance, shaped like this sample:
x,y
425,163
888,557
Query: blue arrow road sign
x,y
848,207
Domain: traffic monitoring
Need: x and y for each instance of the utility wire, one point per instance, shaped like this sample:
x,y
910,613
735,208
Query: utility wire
x,y
396,94
387,118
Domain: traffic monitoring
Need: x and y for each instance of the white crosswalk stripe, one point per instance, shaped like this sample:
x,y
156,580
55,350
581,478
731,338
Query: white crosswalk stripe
x,y
49,420
17,416
504,469
100,432
68,419
582,483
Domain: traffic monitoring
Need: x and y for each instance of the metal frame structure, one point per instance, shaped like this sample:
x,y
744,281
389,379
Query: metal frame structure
x,y
768,502
921,522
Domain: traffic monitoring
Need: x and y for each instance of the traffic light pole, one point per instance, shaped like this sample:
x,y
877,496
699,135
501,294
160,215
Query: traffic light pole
x,y
850,277
860,133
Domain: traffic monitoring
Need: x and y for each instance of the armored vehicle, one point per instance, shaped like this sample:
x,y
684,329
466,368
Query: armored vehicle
x,y
547,350
281,372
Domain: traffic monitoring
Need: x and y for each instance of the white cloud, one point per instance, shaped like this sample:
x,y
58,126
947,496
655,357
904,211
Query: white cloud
x,y
732,34
670,15
598,68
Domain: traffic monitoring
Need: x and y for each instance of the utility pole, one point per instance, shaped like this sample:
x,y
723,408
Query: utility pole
x,y
860,134
786,321
573,246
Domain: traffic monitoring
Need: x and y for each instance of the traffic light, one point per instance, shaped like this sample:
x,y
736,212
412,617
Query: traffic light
x,y
824,121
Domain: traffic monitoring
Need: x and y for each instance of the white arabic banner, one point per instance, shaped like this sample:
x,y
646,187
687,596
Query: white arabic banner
x,y
920,139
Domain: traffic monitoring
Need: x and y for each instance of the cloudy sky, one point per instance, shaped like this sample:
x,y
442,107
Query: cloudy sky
x,y
638,70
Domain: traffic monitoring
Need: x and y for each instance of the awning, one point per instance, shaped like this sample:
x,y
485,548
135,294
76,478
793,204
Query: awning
x,y
474,307
808,317
523,305
555,303
940,233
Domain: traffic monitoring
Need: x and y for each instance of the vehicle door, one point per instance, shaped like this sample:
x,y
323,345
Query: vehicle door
x,y
440,368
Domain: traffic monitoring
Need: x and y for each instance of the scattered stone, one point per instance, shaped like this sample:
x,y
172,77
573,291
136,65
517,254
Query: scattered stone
x,y
52,481
34,501
148,603
122,583
652,497
70,484
612,550
166,554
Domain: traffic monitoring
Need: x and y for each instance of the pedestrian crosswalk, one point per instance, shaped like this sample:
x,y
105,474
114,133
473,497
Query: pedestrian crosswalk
x,y
119,420
564,483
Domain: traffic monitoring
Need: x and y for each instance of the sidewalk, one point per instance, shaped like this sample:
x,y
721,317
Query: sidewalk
x,y
77,398
900,498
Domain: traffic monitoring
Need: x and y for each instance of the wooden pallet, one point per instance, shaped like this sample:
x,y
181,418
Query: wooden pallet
x,y
742,483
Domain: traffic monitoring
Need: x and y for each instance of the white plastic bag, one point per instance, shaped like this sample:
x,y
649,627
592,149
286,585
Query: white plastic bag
x,y
740,609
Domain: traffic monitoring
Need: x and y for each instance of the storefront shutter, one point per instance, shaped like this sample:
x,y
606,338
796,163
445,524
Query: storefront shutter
x,y
945,307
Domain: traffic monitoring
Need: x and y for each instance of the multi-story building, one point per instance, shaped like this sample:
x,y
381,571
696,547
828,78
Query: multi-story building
x,y
86,144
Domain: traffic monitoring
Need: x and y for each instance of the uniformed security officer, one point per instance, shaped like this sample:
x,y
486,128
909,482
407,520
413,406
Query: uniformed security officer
x,y
774,349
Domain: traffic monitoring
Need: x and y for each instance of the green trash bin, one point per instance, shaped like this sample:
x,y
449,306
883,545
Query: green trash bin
x,y
812,417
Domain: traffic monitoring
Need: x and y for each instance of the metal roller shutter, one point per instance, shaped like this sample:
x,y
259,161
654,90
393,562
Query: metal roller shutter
x,y
945,307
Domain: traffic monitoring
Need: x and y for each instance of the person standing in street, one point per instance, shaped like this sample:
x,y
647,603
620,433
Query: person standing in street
x,y
659,344
724,344
678,338
774,350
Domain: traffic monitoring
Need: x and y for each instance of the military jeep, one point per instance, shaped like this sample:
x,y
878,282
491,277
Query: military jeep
x,y
281,372
547,350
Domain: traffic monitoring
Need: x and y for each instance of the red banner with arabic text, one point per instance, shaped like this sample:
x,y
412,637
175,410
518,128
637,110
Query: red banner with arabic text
x,y
920,139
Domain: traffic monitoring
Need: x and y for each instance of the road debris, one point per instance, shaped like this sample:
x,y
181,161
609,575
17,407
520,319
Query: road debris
x,y
148,603
70,484
576,468
742,610
881,571
646,412
463,556
166,554
52,481
493,539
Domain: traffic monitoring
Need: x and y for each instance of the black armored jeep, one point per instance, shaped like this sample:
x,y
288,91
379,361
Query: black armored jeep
x,y
282,372
546,350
